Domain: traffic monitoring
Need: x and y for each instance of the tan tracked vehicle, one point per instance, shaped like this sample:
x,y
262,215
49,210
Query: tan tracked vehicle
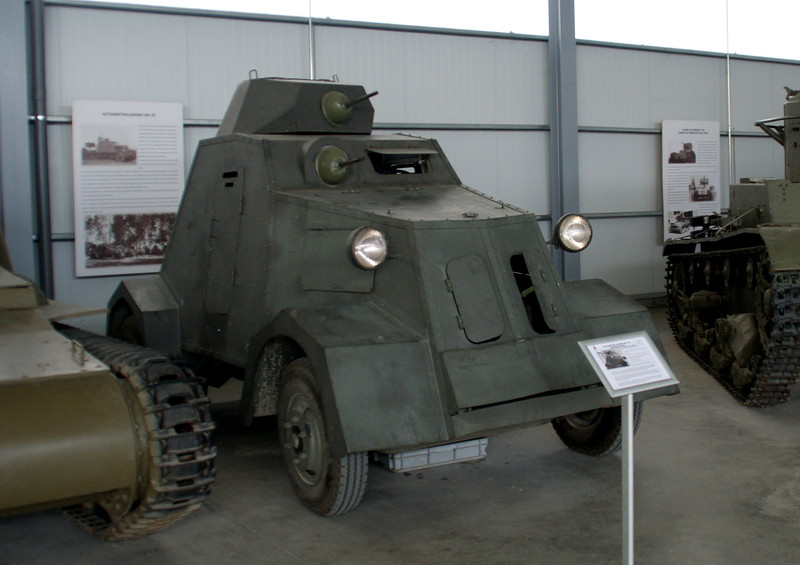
x,y
117,436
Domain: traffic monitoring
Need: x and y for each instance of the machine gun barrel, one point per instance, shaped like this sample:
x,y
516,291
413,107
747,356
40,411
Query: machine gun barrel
x,y
360,99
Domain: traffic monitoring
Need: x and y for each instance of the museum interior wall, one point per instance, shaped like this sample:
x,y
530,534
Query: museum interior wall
x,y
483,96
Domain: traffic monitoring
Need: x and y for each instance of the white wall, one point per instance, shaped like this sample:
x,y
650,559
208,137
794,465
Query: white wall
x,y
431,84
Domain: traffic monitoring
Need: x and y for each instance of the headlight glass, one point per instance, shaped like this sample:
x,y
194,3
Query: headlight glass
x,y
368,248
573,233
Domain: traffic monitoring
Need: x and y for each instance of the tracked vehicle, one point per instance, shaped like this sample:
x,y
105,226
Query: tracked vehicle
x,y
733,287
117,436
367,297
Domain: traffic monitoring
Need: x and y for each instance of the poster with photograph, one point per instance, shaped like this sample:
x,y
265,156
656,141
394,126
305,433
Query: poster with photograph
x,y
628,363
690,174
128,178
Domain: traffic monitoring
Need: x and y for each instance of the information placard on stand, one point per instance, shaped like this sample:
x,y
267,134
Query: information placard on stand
x,y
628,364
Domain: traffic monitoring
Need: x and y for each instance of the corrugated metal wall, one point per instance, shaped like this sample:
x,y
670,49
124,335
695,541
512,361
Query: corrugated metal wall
x,y
484,96
632,91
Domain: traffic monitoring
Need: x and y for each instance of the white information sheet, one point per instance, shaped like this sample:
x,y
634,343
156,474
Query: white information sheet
x,y
628,363
689,172
128,179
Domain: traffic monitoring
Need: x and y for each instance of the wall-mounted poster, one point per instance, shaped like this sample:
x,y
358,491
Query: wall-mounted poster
x,y
690,173
128,178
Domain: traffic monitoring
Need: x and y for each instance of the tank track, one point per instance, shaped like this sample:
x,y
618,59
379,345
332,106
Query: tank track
x,y
179,454
780,367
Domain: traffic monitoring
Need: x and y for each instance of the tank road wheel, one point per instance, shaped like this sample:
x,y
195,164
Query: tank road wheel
x,y
595,432
326,484
176,467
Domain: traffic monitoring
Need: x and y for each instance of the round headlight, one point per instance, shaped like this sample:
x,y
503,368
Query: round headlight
x,y
368,248
573,233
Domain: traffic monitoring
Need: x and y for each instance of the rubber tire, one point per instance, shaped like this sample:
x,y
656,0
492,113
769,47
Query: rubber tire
x,y
595,432
327,485
124,326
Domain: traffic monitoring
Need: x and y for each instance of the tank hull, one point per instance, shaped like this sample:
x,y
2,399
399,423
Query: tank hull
x,y
737,317
116,436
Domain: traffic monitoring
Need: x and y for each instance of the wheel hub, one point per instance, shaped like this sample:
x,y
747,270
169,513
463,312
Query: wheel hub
x,y
304,440
583,419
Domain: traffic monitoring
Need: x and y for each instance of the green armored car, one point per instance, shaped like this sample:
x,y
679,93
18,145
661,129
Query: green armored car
x,y
367,297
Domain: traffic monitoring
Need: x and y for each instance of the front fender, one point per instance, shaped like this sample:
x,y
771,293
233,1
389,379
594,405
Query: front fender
x,y
781,242
376,376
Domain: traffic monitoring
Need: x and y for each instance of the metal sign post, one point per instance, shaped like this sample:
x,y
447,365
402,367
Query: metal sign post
x,y
628,364
627,479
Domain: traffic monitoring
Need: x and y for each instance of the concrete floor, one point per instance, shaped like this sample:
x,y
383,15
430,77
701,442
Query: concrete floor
x,y
716,483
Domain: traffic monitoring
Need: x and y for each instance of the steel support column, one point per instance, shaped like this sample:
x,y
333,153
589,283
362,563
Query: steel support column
x,y
42,167
563,104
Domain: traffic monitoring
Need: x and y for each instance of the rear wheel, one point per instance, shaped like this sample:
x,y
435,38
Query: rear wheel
x,y
124,326
595,432
327,484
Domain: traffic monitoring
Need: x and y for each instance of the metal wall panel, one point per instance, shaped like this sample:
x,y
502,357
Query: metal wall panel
x,y
104,55
59,154
16,186
220,54
424,78
626,252
508,165
93,291
428,78
619,172
639,89
198,61
757,91
757,157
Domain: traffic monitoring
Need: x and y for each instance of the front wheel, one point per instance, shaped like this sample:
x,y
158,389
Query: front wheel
x,y
595,432
328,485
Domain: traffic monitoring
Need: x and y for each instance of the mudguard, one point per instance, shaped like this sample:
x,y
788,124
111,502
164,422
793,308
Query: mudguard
x,y
361,356
155,308
781,242
605,311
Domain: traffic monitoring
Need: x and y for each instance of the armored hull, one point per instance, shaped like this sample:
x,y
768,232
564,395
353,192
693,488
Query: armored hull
x,y
367,297
115,435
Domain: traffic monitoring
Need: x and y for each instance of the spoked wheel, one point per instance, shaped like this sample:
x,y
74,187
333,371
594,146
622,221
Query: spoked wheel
x,y
328,485
595,432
